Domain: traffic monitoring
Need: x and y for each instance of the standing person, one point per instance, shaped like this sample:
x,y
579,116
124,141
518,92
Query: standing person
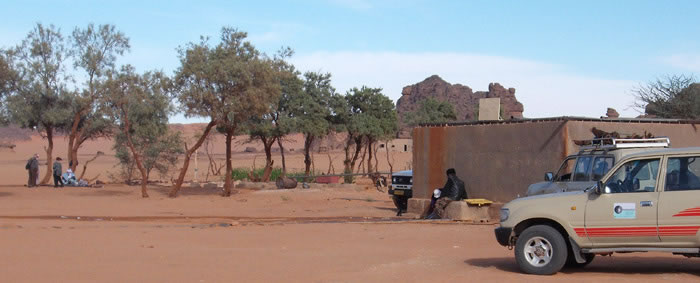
x,y
33,169
57,172
453,191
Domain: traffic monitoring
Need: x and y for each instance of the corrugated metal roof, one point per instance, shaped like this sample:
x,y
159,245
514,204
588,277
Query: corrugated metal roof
x,y
564,118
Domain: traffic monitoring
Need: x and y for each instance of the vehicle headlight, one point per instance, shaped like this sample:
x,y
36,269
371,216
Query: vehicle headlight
x,y
410,181
393,180
504,214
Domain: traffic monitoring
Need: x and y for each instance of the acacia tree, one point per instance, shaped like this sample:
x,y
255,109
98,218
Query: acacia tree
x,y
229,83
367,116
95,50
9,79
274,125
283,117
312,110
676,96
431,110
39,100
139,105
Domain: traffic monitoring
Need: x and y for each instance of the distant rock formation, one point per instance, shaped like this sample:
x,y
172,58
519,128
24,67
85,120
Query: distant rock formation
x,y
612,113
465,101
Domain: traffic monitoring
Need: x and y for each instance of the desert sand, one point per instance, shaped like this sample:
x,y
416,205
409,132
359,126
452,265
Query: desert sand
x,y
342,234
339,233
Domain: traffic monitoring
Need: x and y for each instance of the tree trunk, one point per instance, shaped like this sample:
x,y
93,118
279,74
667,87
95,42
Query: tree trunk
x,y
188,155
137,158
358,148
349,162
88,162
376,157
75,141
49,157
361,167
388,160
144,174
284,163
74,153
346,161
308,140
73,163
229,167
370,143
330,164
267,144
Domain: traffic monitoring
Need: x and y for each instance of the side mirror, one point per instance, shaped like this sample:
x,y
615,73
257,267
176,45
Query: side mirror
x,y
549,176
599,187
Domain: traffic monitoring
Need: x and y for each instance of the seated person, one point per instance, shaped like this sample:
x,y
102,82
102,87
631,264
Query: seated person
x,y
69,178
433,200
453,190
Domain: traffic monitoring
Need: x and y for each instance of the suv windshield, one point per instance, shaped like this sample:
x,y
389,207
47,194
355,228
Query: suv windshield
x,y
564,173
582,170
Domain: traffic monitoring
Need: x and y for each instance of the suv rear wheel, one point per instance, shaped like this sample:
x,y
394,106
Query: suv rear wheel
x,y
541,250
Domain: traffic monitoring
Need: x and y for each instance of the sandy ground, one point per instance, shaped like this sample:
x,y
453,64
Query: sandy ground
x,y
342,234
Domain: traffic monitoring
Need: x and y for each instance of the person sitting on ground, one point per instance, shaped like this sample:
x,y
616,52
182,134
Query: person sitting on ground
x,y
453,190
69,178
57,172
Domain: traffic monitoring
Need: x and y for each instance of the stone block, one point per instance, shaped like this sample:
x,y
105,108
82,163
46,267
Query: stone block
x,y
418,206
211,185
460,210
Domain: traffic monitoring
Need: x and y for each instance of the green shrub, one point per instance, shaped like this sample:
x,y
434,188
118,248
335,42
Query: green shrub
x,y
239,173
242,174
299,176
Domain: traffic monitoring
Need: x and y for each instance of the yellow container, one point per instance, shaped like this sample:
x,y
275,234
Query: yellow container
x,y
478,201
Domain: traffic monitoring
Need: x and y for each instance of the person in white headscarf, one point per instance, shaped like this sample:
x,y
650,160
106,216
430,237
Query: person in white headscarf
x,y
69,178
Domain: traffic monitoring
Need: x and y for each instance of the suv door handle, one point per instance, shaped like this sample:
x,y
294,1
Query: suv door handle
x,y
646,203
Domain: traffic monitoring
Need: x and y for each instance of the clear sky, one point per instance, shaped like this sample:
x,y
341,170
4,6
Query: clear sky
x,y
573,58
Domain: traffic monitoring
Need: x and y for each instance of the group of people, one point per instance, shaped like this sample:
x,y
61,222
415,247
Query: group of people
x,y
59,178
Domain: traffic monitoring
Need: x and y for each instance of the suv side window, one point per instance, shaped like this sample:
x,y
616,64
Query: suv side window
x,y
601,165
682,174
634,176
564,173
582,172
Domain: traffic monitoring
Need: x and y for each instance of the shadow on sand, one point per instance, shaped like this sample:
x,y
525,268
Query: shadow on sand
x,y
5,194
185,191
500,263
106,193
393,209
617,265
152,190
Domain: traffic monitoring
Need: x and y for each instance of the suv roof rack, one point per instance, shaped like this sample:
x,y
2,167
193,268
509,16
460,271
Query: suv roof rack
x,y
614,143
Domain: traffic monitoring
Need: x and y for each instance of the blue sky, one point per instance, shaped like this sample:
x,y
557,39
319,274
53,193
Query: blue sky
x,y
563,57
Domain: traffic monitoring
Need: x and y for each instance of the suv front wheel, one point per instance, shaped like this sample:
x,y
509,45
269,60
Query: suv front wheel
x,y
541,250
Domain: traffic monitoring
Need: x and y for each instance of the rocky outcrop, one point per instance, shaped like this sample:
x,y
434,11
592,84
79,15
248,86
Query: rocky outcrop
x,y
612,113
465,101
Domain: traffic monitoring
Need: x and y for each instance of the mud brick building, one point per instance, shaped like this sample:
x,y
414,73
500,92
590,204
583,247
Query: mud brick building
x,y
498,160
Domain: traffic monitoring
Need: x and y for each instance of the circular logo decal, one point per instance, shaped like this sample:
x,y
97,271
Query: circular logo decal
x,y
618,209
